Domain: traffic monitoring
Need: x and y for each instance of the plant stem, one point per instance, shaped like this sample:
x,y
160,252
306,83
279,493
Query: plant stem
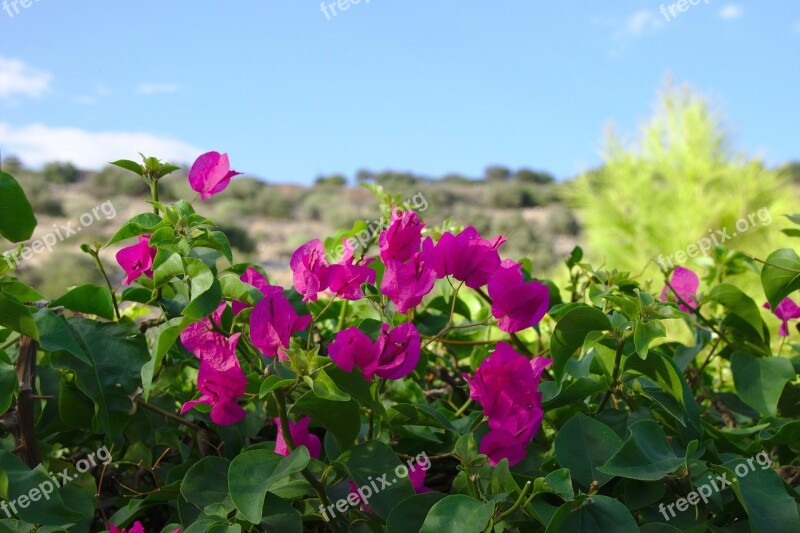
x,y
154,193
102,270
9,343
167,414
614,376
318,487
517,504
342,315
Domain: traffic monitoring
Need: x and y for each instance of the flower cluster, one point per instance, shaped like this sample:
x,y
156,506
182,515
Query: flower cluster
x,y
506,385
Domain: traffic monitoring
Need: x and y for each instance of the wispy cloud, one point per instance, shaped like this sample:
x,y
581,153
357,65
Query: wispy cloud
x,y
17,78
641,22
730,11
149,89
37,144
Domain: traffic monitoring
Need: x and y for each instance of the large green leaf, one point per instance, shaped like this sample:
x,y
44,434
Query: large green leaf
x,y
22,481
592,514
206,484
759,381
582,445
645,455
458,514
342,419
89,299
116,353
570,332
252,473
740,305
206,291
55,334
411,513
374,462
780,276
15,316
138,225
165,337
17,221
762,493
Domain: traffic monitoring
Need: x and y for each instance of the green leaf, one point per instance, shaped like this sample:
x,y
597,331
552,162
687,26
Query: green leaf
x,y
371,461
763,495
116,353
570,332
272,383
645,455
252,474
411,513
739,304
17,221
9,384
324,387
89,299
554,396
279,515
582,445
342,419
138,225
590,514
15,316
645,333
165,337
56,334
458,514
206,483
127,164
22,481
206,293
759,381
780,276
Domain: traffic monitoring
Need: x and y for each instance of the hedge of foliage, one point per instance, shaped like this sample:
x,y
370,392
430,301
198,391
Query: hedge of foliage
x,y
419,383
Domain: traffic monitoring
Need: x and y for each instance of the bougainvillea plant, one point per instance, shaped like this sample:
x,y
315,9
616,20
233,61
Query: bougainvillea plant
x,y
423,382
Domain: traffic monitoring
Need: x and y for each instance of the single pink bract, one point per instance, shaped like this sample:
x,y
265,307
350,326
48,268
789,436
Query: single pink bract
x,y
787,310
137,259
273,322
210,174
406,284
467,257
347,277
516,304
310,269
685,282
397,351
300,436
401,240
353,348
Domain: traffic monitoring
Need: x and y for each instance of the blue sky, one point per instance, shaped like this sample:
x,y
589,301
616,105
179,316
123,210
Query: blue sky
x,y
427,86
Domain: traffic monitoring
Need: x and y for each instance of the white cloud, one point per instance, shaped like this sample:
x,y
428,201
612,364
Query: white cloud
x,y
730,11
37,144
149,89
17,78
641,22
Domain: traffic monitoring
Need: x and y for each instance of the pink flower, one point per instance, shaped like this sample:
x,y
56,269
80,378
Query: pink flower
x,y
397,351
210,174
137,527
393,356
400,241
516,304
273,322
347,277
253,277
506,385
500,444
787,310
353,348
685,282
406,284
467,257
311,269
417,479
137,259
300,436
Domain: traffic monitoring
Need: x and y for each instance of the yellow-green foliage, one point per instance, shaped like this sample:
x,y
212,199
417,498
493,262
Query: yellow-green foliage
x,y
679,180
